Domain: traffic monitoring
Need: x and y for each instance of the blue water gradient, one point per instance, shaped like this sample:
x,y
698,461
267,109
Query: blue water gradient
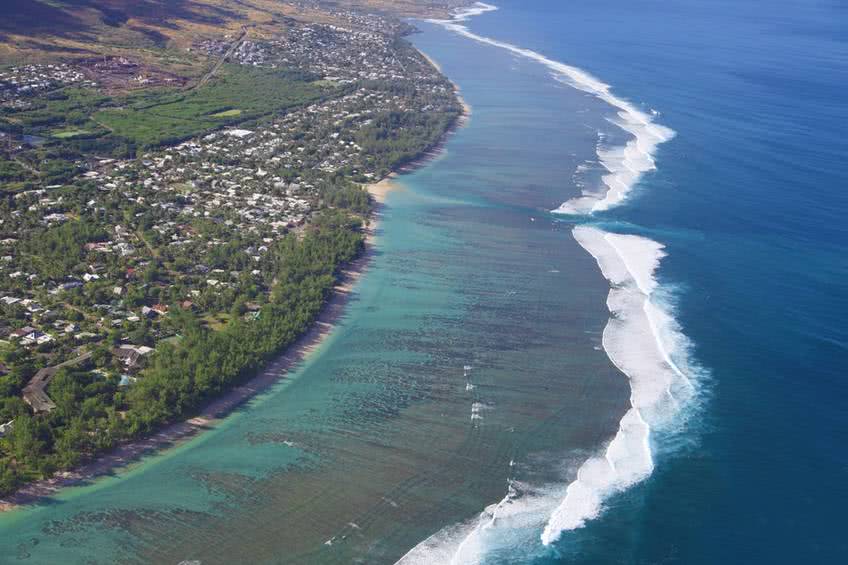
x,y
382,437
750,200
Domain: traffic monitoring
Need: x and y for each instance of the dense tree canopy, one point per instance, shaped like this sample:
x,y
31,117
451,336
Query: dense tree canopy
x,y
94,413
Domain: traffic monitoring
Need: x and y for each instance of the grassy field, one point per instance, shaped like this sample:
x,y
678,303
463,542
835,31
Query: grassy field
x,y
227,113
68,134
217,321
61,109
164,118
117,124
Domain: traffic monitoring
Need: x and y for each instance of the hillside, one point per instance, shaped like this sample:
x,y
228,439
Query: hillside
x,y
162,31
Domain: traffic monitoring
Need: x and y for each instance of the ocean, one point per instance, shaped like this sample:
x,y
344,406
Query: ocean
x,y
605,326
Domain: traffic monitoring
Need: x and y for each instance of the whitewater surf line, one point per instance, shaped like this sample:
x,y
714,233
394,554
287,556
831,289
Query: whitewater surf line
x,y
641,338
626,164
522,510
645,343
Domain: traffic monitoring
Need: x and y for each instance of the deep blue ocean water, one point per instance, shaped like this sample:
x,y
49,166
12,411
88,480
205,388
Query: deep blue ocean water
x,y
383,439
750,199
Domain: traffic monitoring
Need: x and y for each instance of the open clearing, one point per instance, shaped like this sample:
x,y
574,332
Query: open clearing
x,y
228,113
71,133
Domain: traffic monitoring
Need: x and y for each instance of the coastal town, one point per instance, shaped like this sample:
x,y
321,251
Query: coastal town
x,y
423,282
109,243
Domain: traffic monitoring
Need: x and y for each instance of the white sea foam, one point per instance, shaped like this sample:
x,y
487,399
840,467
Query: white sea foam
x,y
641,338
624,164
638,338
477,409
464,14
500,525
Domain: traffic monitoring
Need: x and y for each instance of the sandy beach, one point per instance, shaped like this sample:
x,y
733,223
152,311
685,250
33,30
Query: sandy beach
x,y
379,191
132,452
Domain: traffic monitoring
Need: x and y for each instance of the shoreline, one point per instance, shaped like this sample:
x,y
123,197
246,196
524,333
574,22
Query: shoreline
x,y
134,451
437,149
465,117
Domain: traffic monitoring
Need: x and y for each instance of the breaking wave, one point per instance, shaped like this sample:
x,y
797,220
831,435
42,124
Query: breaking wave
x,y
501,527
625,165
641,338
644,342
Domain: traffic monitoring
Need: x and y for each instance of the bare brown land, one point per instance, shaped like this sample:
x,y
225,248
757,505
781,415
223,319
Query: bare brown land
x,y
159,33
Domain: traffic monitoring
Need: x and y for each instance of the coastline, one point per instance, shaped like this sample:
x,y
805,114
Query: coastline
x,y
466,108
177,433
642,339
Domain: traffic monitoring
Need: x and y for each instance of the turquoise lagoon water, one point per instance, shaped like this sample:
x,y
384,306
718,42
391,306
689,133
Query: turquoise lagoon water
x,y
479,403
469,360
748,201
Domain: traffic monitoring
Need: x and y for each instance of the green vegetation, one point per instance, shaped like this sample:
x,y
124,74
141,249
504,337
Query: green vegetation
x,y
205,362
94,122
227,113
67,108
396,139
182,269
161,119
59,251
339,193
67,134
10,171
93,413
